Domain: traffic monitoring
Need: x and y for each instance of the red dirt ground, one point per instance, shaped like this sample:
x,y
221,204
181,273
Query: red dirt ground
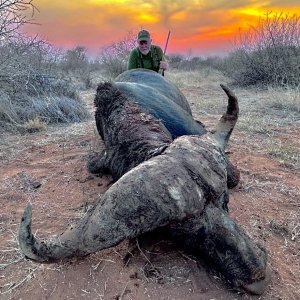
x,y
49,169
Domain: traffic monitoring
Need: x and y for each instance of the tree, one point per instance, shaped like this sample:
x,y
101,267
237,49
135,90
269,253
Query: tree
x,y
13,15
75,59
113,58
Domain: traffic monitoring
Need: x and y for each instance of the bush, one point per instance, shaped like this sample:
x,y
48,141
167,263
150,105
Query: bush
x,y
179,62
113,58
33,87
268,54
174,60
75,65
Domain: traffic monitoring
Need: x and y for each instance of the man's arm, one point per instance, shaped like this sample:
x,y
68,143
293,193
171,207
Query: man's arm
x,y
133,60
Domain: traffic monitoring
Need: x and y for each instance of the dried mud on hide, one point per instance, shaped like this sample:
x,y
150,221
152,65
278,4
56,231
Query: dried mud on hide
x,y
49,169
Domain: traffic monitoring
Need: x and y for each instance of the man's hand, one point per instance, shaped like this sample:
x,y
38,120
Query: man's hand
x,y
163,65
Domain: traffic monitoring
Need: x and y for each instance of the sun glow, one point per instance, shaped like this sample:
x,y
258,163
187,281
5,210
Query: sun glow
x,y
147,18
250,11
195,24
101,2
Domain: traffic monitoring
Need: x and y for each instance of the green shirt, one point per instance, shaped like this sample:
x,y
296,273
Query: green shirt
x,y
150,61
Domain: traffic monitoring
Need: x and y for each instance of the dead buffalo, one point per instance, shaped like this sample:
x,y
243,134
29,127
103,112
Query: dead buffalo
x,y
160,98
180,186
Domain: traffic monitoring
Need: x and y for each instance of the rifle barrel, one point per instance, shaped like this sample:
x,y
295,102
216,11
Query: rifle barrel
x,y
167,42
166,46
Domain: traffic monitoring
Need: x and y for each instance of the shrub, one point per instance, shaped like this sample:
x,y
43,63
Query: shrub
x,y
268,54
174,60
35,124
195,63
33,87
114,57
33,90
75,65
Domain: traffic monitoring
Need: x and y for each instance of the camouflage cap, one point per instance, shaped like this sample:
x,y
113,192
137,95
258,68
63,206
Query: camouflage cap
x,y
143,35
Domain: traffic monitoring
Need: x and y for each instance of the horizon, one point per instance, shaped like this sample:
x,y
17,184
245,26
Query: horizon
x,y
198,28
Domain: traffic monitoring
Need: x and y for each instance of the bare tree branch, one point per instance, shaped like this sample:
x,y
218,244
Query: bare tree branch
x,y
13,15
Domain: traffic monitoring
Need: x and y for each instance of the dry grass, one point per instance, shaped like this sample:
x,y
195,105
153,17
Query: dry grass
x,y
35,124
285,154
255,124
205,76
294,226
284,99
202,89
21,111
11,255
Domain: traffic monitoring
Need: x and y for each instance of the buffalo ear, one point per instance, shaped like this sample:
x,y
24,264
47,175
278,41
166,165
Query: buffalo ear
x,y
233,175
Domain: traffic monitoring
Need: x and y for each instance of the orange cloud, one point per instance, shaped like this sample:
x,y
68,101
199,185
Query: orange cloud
x,y
201,25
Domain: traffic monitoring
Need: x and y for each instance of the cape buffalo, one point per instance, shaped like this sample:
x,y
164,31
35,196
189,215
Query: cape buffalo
x,y
177,184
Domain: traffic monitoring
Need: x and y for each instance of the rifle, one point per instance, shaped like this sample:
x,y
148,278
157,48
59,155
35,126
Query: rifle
x,y
165,50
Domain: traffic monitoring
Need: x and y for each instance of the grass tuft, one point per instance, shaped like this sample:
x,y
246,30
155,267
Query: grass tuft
x,y
35,124
286,154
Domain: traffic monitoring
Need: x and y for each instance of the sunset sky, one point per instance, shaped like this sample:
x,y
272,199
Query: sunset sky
x,y
198,27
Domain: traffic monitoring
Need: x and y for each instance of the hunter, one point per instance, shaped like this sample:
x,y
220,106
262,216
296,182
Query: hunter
x,y
146,55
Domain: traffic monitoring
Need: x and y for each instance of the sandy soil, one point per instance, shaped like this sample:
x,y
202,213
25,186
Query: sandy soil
x,y
49,169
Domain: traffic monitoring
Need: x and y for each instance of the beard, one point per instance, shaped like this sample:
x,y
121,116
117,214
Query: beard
x,y
145,52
